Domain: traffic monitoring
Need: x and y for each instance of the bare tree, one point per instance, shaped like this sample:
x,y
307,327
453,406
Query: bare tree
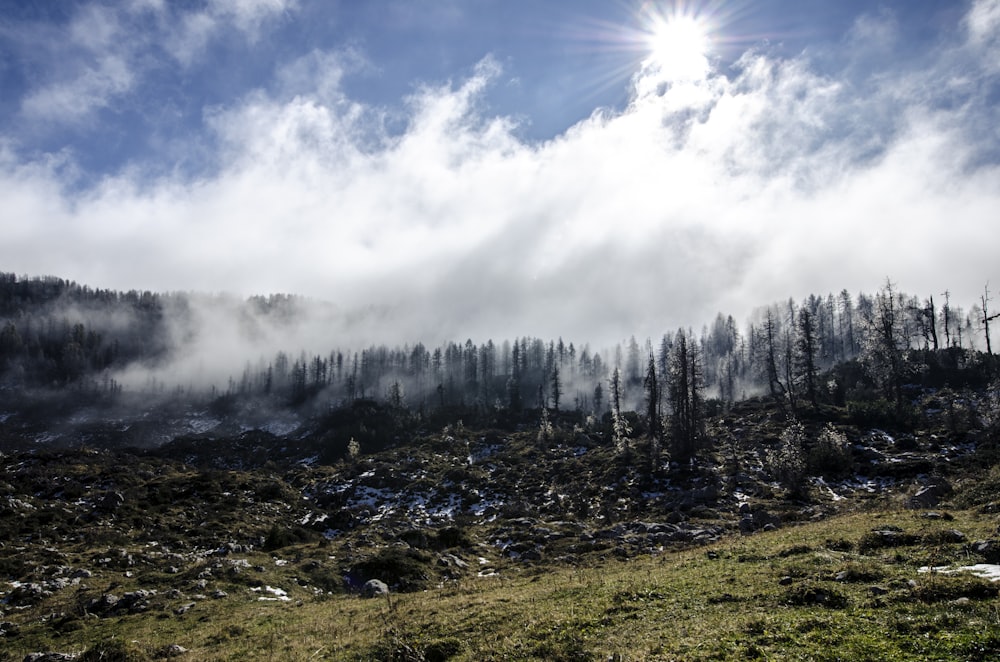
x,y
987,318
884,343
620,429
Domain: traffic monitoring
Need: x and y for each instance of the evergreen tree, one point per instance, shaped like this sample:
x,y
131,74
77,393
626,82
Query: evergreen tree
x,y
805,359
684,388
652,387
556,387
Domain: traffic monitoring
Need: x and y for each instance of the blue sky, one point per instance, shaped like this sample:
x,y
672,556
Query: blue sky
x,y
493,168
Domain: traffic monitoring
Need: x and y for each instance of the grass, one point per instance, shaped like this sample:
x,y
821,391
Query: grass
x,y
809,592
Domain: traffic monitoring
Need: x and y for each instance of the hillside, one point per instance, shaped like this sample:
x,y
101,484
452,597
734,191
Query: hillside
x,y
239,547
773,493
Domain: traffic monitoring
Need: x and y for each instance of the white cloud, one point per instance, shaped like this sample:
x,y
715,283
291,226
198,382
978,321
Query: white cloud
x,y
188,34
983,21
717,194
104,52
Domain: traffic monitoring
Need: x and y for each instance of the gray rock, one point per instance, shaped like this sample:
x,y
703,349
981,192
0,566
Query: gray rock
x,y
929,496
452,561
185,608
374,588
988,549
785,581
953,535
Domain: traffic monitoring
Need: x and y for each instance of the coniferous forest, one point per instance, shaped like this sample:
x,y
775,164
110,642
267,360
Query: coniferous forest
x,y
862,351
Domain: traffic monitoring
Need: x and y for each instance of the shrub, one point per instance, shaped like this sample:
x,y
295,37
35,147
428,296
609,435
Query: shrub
x,y
278,537
787,463
830,454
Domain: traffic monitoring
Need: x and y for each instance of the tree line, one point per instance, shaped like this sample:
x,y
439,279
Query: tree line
x,y
823,349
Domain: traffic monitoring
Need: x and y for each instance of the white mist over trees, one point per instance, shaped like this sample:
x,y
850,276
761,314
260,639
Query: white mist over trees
x,y
55,333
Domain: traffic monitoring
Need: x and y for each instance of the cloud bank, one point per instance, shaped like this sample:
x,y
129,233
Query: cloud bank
x,y
432,221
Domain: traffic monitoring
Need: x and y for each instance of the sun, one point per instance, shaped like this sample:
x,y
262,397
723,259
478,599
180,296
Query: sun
x,y
679,47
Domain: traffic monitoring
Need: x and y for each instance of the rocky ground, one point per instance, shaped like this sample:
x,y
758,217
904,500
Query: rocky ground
x,y
101,532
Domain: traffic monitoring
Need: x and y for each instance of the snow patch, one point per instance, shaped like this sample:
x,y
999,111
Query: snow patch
x,y
275,594
822,484
988,571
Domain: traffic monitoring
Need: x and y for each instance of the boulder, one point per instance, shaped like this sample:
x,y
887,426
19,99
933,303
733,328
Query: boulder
x,y
988,549
374,588
929,496
185,608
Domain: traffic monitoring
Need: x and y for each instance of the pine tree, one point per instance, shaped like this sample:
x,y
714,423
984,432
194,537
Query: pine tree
x,y
556,387
805,359
653,413
684,388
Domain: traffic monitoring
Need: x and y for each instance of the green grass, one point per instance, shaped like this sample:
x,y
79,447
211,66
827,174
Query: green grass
x,y
798,593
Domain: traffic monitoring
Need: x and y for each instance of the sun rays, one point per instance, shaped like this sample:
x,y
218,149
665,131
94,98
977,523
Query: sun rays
x,y
679,46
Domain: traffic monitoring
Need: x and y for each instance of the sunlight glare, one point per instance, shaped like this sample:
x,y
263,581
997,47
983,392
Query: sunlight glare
x,y
679,47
